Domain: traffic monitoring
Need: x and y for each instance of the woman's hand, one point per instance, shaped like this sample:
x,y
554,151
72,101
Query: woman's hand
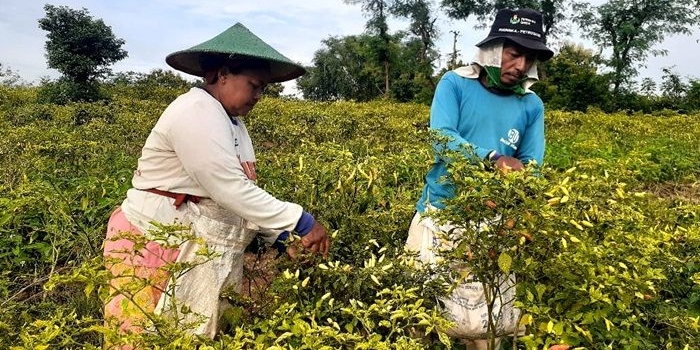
x,y
249,170
317,240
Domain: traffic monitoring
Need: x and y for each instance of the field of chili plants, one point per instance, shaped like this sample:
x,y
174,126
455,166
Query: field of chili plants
x,y
604,239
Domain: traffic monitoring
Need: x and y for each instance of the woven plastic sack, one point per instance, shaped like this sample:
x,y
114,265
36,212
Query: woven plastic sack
x,y
466,305
198,289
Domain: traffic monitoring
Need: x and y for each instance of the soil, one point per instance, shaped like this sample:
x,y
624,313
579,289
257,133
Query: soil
x,y
675,191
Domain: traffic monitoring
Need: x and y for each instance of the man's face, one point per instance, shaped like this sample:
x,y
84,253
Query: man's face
x,y
516,61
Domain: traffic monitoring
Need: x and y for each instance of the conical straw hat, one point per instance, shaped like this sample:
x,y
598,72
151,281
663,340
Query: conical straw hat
x,y
236,42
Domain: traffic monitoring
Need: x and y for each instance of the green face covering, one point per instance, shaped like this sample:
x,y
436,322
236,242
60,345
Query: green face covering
x,y
493,78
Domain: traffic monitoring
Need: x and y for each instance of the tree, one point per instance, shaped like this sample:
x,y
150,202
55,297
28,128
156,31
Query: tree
x,y
454,61
422,27
553,11
422,22
80,47
413,80
693,95
377,10
345,68
573,82
631,28
8,77
156,77
274,90
672,86
648,87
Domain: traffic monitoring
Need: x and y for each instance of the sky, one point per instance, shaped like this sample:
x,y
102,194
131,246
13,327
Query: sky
x,y
152,29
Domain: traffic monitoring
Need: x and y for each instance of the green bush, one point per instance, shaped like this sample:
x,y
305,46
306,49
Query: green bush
x,y
64,90
359,167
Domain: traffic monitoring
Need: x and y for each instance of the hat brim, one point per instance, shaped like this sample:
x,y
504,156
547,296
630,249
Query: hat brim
x,y
543,52
187,61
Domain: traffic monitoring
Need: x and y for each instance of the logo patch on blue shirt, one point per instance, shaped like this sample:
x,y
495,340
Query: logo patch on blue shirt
x,y
513,138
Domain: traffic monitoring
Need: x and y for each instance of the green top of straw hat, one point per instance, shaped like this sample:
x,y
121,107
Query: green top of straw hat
x,y
236,42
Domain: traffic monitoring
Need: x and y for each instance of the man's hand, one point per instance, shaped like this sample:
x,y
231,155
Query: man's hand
x,y
506,164
560,347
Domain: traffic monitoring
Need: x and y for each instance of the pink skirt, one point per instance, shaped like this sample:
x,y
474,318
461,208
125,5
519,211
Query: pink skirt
x,y
138,279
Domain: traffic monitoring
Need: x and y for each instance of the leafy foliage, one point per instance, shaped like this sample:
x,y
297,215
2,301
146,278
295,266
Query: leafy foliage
x,y
571,80
632,28
156,84
81,48
602,199
378,63
343,70
553,11
378,28
8,77
347,69
422,23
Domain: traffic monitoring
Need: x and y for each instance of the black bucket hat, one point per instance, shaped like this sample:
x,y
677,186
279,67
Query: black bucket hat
x,y
234,43
522,26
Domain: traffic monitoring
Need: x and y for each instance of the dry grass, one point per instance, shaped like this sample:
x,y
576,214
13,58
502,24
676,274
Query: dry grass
x,y
675,191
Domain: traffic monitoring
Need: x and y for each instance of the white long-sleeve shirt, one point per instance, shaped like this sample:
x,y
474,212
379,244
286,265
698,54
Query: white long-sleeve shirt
x,y
196,149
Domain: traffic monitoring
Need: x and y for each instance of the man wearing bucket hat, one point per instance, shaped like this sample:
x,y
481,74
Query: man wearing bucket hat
x,y
487,106
197,168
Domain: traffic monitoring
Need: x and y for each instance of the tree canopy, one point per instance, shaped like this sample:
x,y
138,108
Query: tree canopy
x,y
631,29
401,64
572,80
78,46
553,11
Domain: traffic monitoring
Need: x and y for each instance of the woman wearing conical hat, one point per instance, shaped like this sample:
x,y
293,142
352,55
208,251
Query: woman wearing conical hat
x,y
197,169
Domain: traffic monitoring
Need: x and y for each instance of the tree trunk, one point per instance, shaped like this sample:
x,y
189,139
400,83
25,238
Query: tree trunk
x,y
386,78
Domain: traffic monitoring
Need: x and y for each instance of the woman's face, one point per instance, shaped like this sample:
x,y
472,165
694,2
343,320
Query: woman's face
x,y
239,93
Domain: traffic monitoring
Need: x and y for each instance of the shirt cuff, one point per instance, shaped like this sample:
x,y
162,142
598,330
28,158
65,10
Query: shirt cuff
x,y
303,227
305,223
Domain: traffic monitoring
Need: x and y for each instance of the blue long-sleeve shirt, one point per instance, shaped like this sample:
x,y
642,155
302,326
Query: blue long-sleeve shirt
x,y
467,113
